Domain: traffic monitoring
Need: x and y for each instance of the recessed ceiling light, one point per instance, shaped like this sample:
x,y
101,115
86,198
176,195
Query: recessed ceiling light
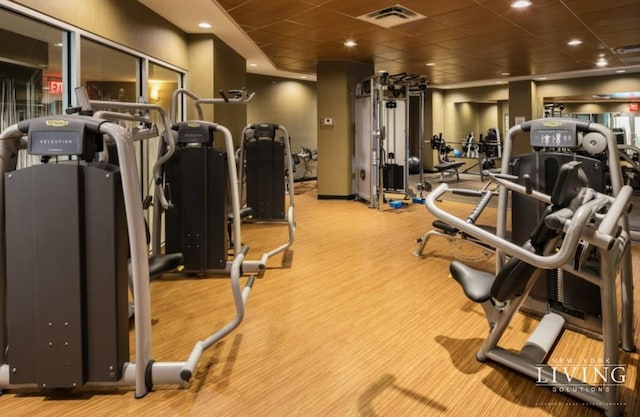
x,y
542,78
602,62
350,43
303,76
621,71
204,25
505,74
58,45
520,4
574,42
431,64
253,65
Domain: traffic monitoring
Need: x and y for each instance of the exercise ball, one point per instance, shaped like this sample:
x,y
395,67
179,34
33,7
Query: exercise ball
x,y
414,165
457,153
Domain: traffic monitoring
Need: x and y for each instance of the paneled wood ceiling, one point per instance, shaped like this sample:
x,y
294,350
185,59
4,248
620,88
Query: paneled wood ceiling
x,y
465,40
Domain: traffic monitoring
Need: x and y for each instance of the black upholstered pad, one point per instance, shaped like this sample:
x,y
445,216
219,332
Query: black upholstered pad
x,y
476,284
448,165
159,264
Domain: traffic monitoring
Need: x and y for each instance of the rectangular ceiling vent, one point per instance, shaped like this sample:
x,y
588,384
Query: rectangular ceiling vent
x,y
391,16
628,49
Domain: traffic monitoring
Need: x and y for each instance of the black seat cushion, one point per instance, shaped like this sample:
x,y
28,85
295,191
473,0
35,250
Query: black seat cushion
x,y
448,165
159,264
476,284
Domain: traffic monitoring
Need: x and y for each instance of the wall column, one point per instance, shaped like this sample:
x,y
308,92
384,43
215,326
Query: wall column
x,y
336,86
522,104
214,66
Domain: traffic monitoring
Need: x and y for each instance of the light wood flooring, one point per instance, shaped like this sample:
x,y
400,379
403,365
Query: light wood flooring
x,y
353,324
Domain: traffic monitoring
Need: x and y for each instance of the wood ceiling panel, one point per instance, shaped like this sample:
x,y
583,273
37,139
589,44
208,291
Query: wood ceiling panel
x,y
437,7
467,16
250,18
320,17
614,20
420,27
581,6
620,39
443,35
285,28
229,4
384,35
467,39
279,9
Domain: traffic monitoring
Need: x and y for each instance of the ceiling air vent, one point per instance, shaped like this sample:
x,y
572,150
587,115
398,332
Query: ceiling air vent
x,y
391,16
629,49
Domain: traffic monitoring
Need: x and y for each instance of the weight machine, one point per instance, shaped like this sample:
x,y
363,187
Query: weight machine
x,y
262,159
66,225
203,181
382,135
581,231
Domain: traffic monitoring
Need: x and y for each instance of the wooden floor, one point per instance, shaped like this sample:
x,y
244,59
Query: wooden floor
x,y
353,324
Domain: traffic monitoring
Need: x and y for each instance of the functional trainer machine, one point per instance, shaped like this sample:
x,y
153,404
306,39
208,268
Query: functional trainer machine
x,y
65,324
262,159
382,135
581,231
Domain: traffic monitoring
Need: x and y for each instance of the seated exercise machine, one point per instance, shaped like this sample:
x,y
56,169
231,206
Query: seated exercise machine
x,y
203,181
630,161
122,112
64,264
262,159
445,166
581,231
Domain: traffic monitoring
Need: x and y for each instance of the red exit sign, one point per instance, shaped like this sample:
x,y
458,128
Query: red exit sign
x,y
55,87
633,107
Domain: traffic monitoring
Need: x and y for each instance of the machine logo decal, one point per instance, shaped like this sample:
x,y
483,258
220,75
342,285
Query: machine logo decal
x,y
56,123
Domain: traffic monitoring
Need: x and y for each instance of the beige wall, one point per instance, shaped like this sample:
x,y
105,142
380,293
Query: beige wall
x,y
336,99
229,73
290,103
589,85
446,119
123,21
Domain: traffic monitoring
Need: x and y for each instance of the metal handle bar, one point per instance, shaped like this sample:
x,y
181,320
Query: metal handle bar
x,y
556,260
240,99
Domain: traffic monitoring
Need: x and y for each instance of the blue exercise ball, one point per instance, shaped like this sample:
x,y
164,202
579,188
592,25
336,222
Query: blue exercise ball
x,y
457,153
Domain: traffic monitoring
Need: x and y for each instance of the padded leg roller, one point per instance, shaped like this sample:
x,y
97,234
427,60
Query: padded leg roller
x,y
543,338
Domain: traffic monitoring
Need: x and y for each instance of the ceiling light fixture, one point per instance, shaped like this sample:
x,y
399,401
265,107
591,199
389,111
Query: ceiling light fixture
x,y
620,71
574,42
350,43
520,4
204,25
505,74
431,64
253,65
602,62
